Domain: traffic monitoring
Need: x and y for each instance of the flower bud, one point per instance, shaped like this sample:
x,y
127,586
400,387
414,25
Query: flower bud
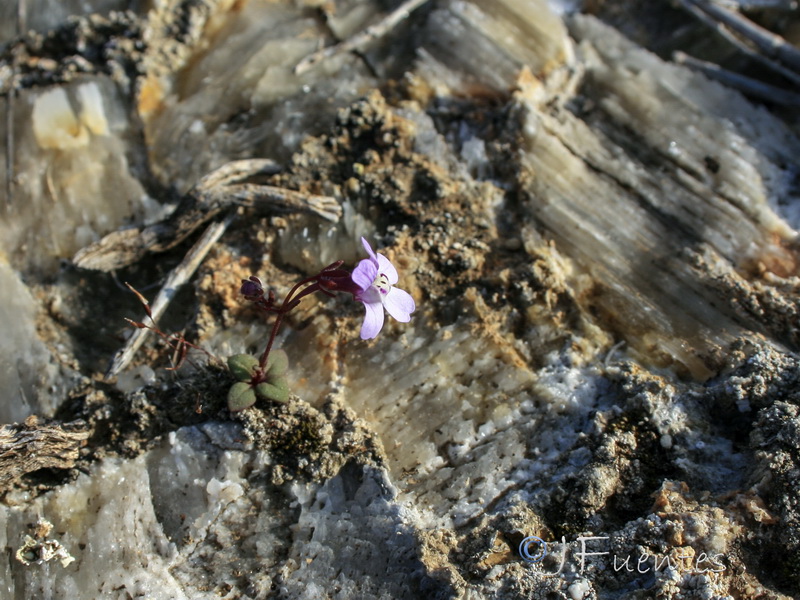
x,y
252,288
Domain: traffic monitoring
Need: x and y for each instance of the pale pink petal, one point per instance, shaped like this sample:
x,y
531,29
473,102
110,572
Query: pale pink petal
x,y
399,304
373,320
370,296
364,274
368,248
387,268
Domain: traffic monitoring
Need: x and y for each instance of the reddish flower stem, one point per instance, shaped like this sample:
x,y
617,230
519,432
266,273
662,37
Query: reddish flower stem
x,y
284,308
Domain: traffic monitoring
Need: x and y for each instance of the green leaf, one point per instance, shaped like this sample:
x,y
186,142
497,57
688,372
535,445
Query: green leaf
x,y
243,366
277,363
241,396
276,390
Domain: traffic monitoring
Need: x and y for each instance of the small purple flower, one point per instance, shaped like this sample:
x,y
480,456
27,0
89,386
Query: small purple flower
x,y
374,277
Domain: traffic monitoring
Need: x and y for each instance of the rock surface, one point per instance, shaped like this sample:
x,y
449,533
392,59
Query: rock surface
x,y
596,398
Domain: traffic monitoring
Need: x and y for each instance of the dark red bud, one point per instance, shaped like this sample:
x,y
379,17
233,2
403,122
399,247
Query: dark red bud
x,y
252,288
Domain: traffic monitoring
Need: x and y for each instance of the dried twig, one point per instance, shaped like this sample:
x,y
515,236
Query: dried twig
x,y
238,170
177,277
11,92
747,85
250,195
215,193
770,44
769,48
8,85
760,4
22,17
10,147
37,444
358,41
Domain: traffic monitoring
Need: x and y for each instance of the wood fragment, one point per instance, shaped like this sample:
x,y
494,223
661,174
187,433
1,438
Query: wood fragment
x,y
38,444
215,193
10,148
238,170
282,199
747,85
177,277
8,85
760,4
22,17
358,41
769,48
770,44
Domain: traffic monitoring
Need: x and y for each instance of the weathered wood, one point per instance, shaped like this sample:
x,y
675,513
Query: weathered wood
x,y
215,193
38,444
769,49
177,277
747,85
361,39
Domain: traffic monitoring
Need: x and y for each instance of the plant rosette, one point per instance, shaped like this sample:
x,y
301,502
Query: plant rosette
x,y
269,383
